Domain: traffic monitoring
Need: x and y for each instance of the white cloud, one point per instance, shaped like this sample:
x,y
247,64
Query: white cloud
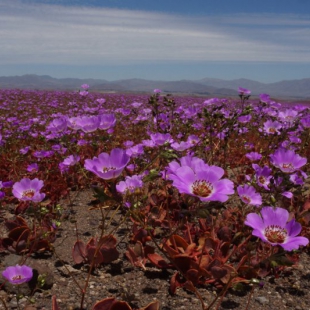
x,y
50,34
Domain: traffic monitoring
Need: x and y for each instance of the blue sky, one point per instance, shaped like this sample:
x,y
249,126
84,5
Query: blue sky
x,y
267,41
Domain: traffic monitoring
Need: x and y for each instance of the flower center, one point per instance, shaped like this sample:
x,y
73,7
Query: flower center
x,y
29,193
288,166
262,179
107,169
202,188
246,199
17,277
272,130
275,234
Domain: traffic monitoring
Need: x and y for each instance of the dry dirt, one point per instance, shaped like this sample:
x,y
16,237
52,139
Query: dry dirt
x,y
138,287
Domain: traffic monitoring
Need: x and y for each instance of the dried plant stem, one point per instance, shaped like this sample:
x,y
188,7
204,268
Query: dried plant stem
x,y
4,304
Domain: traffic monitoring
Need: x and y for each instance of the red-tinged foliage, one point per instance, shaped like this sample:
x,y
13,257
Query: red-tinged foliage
x,y
100,251
111,304
23,239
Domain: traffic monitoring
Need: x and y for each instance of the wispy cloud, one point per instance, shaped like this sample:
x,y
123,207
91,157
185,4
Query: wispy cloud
x,y
54,34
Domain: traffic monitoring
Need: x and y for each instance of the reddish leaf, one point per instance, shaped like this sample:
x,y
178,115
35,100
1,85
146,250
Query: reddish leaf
x,y
120,305
192,275
104,304
134,259
152,306
91,252
179,241
17,232
79,252
218,272
108,241
183,263
225,249
175,282
109,255
158,261
19,221
138,249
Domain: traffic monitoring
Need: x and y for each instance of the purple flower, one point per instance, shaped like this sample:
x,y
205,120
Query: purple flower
x,y
84,93
263,176
108,166
2,195
28,190
161,138
107,121
136,104
288,115
88,123
264,98
203,183
85,86
243,91
249,196
253,156
244,118
182,146
298,177
287,161
71,160
194,163
24,150
32,168
101,100
58,125
272,227
43,154
130,184
156,90
135,150
271,127
18,274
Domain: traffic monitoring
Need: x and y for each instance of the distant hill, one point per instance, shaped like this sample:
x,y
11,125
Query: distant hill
x,y
206,86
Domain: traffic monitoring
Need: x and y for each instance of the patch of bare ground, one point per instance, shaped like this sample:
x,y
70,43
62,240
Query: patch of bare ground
x,y
65,279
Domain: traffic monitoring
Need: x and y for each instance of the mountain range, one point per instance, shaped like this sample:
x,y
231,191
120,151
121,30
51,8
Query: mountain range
x,y
294,89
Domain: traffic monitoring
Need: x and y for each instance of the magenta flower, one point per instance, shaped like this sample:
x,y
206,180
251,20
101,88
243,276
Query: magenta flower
x,y
203,183
84,93
249,196
58,125
107,121
85,86
263,176
287,161
28,190
288,115
243,91
32,168
253,156
130,184
161,138
71,160
272,227
271,127
194,163
108,166
88,123
18,274
101,100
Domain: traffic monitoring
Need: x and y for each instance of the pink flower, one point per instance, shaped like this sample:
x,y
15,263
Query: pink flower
x,y
108,166
272,227
28,190
18,274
